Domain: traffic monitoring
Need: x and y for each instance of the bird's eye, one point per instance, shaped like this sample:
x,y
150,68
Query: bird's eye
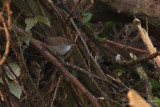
x,y
68,43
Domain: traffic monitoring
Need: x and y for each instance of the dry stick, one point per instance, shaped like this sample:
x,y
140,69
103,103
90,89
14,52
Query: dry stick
x,y
139,60
5,97
20,57
104,76
7,38
34,85
57,14
83,60
68,76
74,8
88,72
121,45
5,86
83,71
40,7
43,13
139,68
19,14
98,88
79,34
55,93
92,75
50,3
146,40
9,14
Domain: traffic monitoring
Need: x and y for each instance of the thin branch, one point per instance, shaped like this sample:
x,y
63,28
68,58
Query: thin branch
x,y
20,58
146,40
79,34
54,61
55,93
74,8
92,75
139,60
121,45
68,76
7,38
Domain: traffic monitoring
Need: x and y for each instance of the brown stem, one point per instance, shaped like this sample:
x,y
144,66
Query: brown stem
x,y
68,76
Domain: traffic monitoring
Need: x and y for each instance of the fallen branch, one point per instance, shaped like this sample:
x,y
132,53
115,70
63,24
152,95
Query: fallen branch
x,y
146,40
68,76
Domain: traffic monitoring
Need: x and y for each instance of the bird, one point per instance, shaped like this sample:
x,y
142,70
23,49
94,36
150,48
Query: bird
x,y
57,45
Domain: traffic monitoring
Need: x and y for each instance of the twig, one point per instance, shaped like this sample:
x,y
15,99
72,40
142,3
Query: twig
x,y
92,75
74,8
52,6
30,78
98,88
43,13
53,60
79,34
68,76
18,16
55,92
20,57
146,40
83,60
6,99
7,38
142,59
9,13
83,71
121,45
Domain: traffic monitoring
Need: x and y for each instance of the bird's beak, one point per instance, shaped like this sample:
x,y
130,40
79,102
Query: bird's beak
x,y
72,45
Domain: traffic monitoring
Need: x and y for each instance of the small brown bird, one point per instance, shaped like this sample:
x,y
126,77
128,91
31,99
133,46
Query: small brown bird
x,y
57,45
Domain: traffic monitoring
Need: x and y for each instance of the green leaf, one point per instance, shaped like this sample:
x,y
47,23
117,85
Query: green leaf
x,y
15,68
156,101
120,72
15,89
27,37
87,17
30,22
155,84
43,20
